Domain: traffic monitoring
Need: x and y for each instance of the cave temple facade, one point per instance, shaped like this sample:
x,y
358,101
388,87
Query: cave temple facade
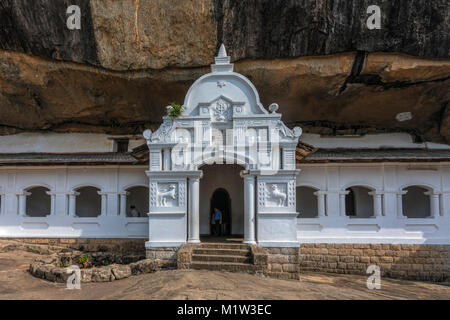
x,y
223,149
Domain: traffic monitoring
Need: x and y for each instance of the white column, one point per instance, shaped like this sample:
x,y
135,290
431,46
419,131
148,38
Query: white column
x,y
2,203
377,204
441,204
123,204
104,202
73,203
23,203
400,204
434,203
194,210
166,159
249,211
52,202
320,203
276,165
342,195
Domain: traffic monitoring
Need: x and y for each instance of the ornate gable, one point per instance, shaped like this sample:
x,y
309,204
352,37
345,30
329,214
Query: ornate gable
x,y
222,111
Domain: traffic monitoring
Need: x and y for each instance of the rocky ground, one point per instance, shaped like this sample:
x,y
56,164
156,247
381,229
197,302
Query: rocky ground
x,y
17,283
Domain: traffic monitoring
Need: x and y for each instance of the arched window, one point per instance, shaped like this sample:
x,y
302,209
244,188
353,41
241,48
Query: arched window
x,y
416,204
89,202
358,202
306,202
137,202
38,203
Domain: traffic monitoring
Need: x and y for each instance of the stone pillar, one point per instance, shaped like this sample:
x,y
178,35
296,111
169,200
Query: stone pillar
x,y
73,203
400,204
123,204
166,159
104,202
377,204
320,203
434,203
342,195
23,203
194,210
249,209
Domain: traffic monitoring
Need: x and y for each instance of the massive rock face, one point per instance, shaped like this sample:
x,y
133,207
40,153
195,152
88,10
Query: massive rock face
x,y
317,59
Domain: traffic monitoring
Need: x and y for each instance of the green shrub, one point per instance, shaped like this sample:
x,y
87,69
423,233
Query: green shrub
x,y
175,111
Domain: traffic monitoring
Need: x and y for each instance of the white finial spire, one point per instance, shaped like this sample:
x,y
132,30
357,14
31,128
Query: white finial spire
x,y
222,61
222,52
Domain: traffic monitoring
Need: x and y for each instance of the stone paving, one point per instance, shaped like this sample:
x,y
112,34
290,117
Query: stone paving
x,y
17,283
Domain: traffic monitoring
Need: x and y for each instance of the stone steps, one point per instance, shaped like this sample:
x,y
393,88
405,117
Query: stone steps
x,y
233,246
223,266
219,252
231,257
221,258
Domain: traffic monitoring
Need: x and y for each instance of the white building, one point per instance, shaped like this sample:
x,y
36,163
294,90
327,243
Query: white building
x,y
225,150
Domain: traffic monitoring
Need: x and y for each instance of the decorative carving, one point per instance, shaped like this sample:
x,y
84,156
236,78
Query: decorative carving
x,y
297,132
273,108
262,194
167,195
221,111
205,110
153,194
276,194
182,193
221,84
147,134
285,130
162,134
291,193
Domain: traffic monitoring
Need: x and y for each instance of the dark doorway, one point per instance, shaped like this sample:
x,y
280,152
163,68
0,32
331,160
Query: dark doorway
x,y
221,200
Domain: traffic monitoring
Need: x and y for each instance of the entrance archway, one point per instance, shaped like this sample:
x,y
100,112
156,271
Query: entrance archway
x,y
222,186
222,201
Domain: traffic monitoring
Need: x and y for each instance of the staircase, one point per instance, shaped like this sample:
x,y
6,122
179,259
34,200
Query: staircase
x,y
232,257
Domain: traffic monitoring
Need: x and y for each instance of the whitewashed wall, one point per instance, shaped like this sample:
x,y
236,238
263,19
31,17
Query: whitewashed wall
x,y
330,180
112,181
388,180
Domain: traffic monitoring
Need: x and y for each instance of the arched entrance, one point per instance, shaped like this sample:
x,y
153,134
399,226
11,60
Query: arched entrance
x,y
222,201
222,186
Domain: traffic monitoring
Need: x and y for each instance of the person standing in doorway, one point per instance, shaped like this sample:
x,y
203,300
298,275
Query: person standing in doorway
x,y
217,222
